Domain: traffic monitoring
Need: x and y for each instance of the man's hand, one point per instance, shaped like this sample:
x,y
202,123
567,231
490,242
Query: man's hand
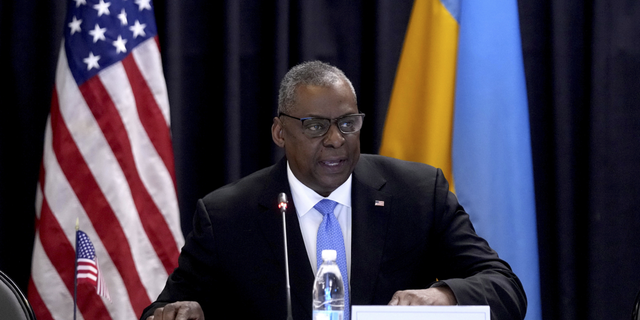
x,y
181,310
438,296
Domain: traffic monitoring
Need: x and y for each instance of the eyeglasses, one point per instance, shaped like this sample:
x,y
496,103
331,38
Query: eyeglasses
x,y
318,127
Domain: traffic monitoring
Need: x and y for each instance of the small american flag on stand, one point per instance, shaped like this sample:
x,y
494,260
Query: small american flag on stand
x,y
88,270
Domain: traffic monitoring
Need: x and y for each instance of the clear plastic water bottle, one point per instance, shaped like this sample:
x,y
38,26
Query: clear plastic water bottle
x,y
328,289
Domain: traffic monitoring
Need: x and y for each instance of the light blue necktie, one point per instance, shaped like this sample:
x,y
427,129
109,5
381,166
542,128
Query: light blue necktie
x,y
330,237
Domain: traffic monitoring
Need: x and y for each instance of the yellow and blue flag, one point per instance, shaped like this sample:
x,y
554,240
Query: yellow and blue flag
x,y
459,102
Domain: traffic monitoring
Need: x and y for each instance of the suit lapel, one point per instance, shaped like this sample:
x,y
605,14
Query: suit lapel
x,y
370,215
301,274
369,228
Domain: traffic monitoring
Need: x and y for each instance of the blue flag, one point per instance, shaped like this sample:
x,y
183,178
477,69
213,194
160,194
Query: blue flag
x,y
491,152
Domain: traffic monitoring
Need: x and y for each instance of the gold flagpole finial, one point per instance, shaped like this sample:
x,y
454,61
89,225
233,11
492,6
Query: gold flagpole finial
x,y
77,224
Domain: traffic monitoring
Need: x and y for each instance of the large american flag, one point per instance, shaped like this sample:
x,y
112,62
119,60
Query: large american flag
x,y
108,161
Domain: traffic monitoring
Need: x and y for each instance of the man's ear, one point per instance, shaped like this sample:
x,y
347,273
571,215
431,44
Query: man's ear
x,y
276,132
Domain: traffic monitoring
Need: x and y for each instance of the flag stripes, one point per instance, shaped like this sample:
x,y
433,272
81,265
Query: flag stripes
x,y
94,201
54,253
50,296
152,118
87,266
108,162
88,269
110,122
147,58
101,284
54,290
421,107
36,302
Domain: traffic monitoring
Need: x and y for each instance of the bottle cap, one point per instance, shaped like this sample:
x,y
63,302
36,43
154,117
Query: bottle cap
x,y
329,255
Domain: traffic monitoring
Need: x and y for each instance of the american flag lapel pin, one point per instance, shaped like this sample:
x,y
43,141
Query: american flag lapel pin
x,y
379,203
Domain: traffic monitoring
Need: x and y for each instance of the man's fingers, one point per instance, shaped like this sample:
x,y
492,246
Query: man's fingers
x,y
184,312
181,310
431,296
393,302
157,314
403,298
169,312
188,310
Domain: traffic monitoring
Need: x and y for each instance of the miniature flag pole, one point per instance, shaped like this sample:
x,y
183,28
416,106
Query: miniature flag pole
x,y
75,277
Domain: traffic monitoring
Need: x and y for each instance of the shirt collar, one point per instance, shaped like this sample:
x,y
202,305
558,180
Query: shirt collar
x,y
305,198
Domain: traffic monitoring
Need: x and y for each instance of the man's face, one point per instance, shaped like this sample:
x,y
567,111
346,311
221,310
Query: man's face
x,y
321,163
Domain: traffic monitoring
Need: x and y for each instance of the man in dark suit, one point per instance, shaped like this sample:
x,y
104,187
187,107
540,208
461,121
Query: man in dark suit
x,y
407,240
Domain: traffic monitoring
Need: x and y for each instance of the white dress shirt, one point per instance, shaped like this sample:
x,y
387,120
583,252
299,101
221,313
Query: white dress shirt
x,y
310,219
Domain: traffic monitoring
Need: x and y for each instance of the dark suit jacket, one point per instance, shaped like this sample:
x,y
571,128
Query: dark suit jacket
x,y
233,261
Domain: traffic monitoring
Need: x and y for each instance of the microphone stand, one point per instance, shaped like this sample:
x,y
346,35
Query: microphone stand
x,y
282,204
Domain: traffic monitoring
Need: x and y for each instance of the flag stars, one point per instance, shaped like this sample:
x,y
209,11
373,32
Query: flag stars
x,y
75,25
120,44
98,33
138,29
143,4
103,8
123,17
80,2
91,61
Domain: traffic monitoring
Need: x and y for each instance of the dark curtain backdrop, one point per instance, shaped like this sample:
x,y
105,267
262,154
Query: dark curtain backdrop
x,y
223,61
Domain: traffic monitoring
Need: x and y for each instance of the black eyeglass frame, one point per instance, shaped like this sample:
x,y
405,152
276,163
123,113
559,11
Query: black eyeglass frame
x,y
331,121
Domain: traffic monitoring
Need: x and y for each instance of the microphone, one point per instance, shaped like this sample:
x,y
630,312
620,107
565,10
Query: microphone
x,y
282,204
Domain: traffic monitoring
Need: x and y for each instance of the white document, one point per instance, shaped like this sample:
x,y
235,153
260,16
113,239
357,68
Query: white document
x,y
420,313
